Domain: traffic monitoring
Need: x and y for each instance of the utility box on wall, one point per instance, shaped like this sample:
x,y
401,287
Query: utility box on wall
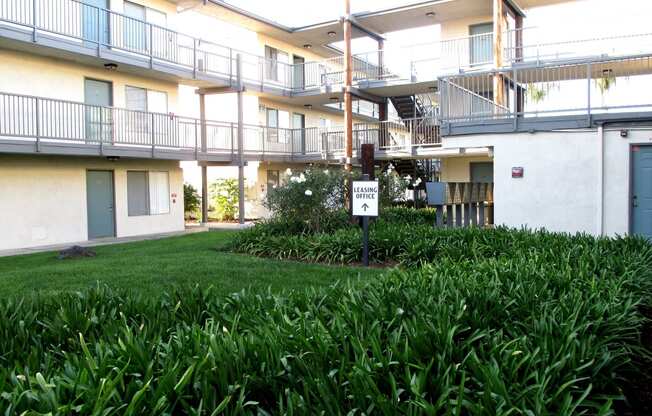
x,y
436,193
517,172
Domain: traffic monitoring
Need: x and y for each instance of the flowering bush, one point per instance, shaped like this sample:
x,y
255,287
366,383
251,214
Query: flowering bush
x,y
392,187
313,197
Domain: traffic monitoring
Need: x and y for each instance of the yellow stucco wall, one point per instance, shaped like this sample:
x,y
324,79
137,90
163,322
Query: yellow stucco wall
x,y
45,199
22,73
458,169
312,116
459,28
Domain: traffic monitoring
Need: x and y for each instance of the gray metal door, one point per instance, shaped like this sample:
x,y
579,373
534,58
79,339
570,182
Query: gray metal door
x,y
99,119
299,72
99,203
482,172
95,22
642,191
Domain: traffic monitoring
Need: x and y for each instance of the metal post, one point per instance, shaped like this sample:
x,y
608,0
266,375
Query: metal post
x,y
34,20
99,31
348,111
365,234
153,135
588,90
194,58
38,126
204,195
204,168
151,46
241,184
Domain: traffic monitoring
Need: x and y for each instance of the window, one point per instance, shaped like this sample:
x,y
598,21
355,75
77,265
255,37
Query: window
x,y
272,179
148,193
139,124
275,64
136,30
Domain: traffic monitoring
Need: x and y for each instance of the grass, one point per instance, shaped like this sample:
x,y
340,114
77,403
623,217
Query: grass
x,y
158,265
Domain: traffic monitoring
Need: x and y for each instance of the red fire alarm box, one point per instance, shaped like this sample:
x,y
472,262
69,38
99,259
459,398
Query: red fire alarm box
x,y
517,172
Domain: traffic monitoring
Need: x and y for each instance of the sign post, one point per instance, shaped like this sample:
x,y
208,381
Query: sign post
x,y
364,200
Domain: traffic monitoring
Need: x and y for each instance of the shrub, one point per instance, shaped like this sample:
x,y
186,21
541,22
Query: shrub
x,y
392,188
408,216
314,197
224,195
546,329
191,201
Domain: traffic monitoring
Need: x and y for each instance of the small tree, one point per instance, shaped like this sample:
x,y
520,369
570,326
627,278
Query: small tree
x,y
191,201
224,196
312,197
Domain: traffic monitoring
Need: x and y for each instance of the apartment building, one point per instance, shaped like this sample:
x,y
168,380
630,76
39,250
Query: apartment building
x,y
95,116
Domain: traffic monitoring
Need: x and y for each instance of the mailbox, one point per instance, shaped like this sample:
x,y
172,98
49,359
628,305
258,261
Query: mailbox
x,y
436,193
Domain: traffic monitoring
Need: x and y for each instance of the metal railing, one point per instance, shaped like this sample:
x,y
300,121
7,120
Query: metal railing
x,y
539,45
571,89
42,121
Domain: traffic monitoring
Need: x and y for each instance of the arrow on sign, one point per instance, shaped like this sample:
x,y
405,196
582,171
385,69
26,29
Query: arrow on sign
x,y
365,206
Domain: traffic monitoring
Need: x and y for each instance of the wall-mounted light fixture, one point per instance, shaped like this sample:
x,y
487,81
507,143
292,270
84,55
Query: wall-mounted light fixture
x,y
307,46
430,14
111,66
332,33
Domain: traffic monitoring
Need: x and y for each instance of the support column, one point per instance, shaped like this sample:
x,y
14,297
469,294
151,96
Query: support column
x,y
383,115
348,81
499,28
241,179
204,168
381,58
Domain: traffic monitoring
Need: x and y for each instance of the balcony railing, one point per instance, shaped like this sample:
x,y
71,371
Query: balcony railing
x,y
28,119
539,45
573,89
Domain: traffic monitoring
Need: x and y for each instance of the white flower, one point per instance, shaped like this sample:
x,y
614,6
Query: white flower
x,y
417,182
288,171
408,178
326,171
308,192
302,178
295,179
390,167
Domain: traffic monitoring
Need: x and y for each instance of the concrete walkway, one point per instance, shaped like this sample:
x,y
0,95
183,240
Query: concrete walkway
x,y
190,229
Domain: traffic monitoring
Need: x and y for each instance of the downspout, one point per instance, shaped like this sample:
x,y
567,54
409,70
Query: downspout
x,y
600,193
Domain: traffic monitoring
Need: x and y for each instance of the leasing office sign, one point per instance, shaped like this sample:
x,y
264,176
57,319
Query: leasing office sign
x,y
365,198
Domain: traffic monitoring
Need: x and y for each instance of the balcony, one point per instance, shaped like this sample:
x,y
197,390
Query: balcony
x,y
547,96
32,125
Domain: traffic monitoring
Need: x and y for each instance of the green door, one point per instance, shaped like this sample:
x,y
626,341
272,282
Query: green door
x,y
99,203
642,191
98,98
482,172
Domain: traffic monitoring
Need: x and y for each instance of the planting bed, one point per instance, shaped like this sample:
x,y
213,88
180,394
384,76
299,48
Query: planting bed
x,y
486,322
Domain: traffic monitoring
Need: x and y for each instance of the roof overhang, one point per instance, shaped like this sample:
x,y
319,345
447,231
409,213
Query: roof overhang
x,y
321,36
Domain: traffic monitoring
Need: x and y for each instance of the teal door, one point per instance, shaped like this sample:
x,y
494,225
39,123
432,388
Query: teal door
x,y
482,172
642,191
99,203
99,118
95,22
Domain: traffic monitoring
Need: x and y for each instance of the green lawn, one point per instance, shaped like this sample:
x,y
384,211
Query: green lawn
x,y
153,266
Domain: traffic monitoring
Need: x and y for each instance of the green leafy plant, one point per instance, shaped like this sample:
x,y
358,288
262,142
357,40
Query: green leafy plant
x,y
191,201
606,81
392,188
224,196
501,322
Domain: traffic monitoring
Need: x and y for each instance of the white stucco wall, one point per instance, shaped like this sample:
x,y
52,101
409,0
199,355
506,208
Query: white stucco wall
x,y
560,190
43,199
